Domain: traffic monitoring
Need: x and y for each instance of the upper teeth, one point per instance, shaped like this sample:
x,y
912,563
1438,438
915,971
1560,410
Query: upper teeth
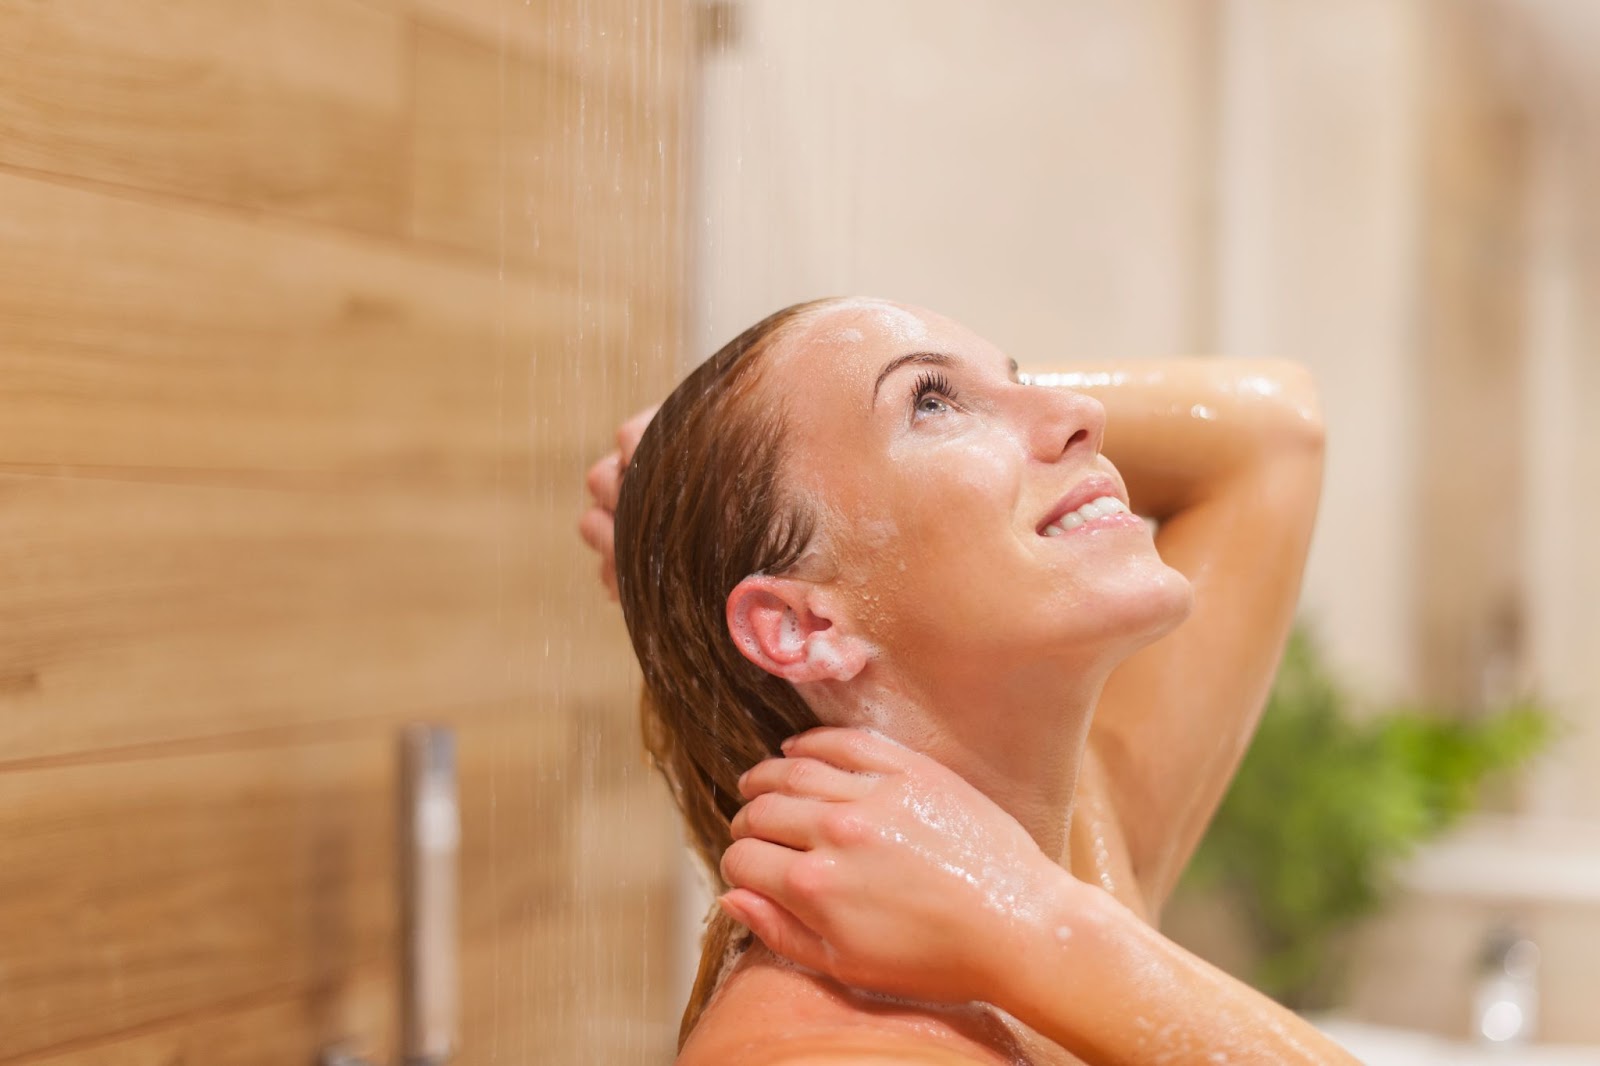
x,y
1102,505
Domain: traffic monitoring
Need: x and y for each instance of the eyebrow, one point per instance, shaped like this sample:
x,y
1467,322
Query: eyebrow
x,y
935,358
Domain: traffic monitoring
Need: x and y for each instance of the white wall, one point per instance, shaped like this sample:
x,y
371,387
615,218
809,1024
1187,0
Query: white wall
x,y
1247,177
1080,180
944,152
1562,375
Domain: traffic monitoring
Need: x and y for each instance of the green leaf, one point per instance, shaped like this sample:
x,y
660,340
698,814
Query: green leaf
x,y
1326,804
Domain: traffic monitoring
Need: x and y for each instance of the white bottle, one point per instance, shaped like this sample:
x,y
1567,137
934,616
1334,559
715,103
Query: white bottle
x,y
1505,1001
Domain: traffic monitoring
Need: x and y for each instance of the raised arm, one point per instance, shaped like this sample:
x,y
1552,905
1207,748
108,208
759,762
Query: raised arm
x,y
1227,456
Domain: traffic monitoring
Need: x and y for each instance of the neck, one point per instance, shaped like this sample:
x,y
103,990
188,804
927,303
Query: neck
x,y
1017,736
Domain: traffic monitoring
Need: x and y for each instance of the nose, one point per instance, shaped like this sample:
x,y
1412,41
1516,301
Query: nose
x,y
1064,423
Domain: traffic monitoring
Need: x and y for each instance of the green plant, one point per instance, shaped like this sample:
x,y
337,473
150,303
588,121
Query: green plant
x,y
1326,803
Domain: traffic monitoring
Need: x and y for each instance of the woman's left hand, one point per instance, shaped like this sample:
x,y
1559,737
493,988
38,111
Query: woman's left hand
x,y
597,525
886,870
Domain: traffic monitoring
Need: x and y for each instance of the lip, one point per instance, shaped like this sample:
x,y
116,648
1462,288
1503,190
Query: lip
x,y
1090,488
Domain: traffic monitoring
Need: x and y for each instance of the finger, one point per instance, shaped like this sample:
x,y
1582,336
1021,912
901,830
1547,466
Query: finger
x,y
629,432
787,820
605,481
848,749
608,578
759,865
599,530
803,777
780,931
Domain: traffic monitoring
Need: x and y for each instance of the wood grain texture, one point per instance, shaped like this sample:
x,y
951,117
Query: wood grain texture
x,y
270,450
291,451
295,107
140,613
485,178
620,43
543,988
141,336
228,875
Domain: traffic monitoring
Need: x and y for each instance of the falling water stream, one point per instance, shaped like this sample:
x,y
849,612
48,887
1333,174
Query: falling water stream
x,y
1076,182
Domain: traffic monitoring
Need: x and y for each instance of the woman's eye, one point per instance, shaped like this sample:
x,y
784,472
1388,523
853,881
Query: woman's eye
x,y
932,395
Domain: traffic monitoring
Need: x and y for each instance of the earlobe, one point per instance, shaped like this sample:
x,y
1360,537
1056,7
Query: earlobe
x,y
775,625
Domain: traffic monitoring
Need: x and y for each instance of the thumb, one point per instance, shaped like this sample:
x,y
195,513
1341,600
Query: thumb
x,y
777,928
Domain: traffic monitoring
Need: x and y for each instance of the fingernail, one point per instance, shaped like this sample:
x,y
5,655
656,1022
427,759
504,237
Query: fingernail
x,y
786,745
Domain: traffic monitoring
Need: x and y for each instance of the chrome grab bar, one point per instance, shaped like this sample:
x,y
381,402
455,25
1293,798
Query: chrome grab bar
x,y
429,849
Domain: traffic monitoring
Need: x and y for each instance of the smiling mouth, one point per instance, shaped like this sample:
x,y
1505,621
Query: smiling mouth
x,y
1099,507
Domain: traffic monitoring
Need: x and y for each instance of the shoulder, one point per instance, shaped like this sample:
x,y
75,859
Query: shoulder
x,y
769,1014
838,1051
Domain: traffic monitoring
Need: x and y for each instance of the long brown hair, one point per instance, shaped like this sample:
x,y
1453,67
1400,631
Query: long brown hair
x,y
702,506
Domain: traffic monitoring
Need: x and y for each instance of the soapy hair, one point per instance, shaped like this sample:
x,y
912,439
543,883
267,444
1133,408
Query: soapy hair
x,y
702,507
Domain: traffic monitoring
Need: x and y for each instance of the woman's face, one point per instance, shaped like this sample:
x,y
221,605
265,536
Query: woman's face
x,y
940,483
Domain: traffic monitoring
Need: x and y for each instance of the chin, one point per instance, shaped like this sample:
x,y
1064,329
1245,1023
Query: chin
x,y
1142,612
1169,605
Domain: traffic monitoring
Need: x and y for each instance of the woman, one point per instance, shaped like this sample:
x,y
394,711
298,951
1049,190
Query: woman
x,y
856,514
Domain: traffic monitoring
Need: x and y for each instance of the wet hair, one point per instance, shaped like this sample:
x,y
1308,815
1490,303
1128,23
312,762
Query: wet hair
x,y
702,507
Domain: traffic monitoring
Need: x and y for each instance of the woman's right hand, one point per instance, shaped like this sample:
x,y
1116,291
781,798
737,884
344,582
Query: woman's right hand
x,y
887,871
883,869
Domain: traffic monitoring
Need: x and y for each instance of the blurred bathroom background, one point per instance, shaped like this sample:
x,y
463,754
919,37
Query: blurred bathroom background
x,y
313,313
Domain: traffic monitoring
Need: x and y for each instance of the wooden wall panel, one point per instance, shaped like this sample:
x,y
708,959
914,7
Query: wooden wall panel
x,y
485,179
285,607
295,107
223,874
274,1028
624,43
536,991
231,875
141,336
294,414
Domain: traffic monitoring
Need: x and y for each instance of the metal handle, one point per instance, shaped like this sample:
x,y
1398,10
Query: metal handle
x,y
430,843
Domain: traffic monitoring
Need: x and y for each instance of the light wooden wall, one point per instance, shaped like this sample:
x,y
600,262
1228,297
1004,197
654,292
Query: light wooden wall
x,y
311,314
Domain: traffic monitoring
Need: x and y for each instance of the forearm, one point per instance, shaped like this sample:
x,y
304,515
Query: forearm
x,y
1109,988
1177,429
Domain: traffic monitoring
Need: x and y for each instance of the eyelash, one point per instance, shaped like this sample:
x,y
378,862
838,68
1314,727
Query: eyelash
x,y
931,382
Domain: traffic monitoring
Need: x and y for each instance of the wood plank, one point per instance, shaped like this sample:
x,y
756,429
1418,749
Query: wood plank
x,y
279,1028
266,490
622,43
146,890
566,984
138,336
138,613
523,159
294,107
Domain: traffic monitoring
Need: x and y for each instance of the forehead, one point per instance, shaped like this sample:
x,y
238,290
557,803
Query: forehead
x,y
849,341
870,323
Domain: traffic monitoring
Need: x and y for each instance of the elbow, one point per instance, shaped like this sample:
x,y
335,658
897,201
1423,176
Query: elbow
x,y
1293,414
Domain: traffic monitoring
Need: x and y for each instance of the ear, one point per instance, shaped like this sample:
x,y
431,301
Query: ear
x,y
781,625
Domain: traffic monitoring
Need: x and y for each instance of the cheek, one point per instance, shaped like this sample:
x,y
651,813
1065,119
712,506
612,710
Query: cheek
x,y
930,534
947,496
